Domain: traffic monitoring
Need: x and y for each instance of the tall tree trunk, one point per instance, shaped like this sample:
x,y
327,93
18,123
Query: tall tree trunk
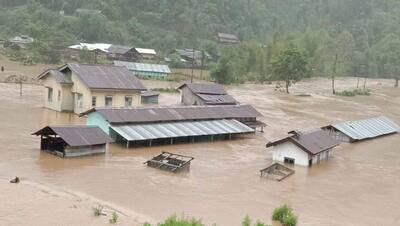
x,y
334,73
358,81
397,82
365,82
287,86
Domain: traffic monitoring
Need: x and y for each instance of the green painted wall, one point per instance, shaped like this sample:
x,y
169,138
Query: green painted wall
x,y
96,119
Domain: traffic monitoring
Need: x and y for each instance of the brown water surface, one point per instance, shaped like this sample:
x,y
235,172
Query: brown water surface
x,y
359,186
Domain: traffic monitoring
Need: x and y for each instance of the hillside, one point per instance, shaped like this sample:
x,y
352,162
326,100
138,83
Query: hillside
x,y
361,32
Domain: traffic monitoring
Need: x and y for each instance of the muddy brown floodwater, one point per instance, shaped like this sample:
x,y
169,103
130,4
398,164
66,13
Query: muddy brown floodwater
x,y
359,186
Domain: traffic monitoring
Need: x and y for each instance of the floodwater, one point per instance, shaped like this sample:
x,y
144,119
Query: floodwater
x,y
359,186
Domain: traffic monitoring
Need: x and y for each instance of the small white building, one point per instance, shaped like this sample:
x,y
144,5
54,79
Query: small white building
x,y
303,149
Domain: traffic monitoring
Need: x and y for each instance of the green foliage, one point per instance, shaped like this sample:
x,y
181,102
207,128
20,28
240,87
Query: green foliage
x,y
114,218
285,215
98,211
175,221
246,221
291,66
354,92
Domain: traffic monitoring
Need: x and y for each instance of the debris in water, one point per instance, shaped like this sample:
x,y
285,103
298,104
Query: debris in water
x,y
15,180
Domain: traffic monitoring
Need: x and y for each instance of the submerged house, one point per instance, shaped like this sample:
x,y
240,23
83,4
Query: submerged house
x,y
72,141
227,38
303,149
80,87
147,54
205,94
353,131
146,70
192,57
168,125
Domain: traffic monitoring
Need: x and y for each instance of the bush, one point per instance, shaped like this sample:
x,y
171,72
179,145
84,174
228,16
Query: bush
x,y
284,214
97,211
354,92
174,221
290,220
114,218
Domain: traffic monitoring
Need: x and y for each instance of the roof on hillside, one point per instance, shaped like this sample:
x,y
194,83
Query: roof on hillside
x,y
76,136
91,46
205,88
179,113
313,142
105,77
227,36
188,53
132,66
367,128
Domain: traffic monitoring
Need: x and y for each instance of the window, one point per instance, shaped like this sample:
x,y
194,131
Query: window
x,y
50,94
108,101
94,99
59,96
79,102
128,101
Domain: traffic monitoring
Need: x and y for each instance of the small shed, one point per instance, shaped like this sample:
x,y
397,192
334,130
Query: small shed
x,y
353,131
170,162
303,149
72,141
227,38
205,94
150,97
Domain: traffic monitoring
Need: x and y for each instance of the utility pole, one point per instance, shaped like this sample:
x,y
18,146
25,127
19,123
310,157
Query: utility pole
x,y
191,78
20,85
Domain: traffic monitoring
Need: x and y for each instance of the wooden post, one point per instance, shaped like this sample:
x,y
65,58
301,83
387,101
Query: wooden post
x,y
20,85
127,144
172,140
150,143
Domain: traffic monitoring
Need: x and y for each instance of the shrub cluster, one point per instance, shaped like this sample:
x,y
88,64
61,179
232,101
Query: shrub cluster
x,y
285,215
354,92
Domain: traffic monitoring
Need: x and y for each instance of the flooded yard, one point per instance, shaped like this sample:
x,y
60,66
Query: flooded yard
x,y
358,186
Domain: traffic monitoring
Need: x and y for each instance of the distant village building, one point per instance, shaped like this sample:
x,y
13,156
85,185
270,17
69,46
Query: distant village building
x,y
227,38
147,54
87,11
19,42
73,141
353,131
150,97
205,94
196,58
303,149
116,52
146,70
80,87
168,125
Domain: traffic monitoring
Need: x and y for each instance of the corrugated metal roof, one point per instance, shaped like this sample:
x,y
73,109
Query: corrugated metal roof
x,y
312,142
146,51
91,46
117,49
188,53
58,76
217,99
132,66
106,77
205,88
180,129
76,136
180,113
367,128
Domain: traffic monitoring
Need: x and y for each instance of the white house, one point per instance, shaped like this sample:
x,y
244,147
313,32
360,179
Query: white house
x,y
303,149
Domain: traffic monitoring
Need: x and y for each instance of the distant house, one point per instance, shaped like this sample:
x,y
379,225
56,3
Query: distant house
x,y
123,53
73,141
19,42
227,38
146,70
353,131
147,54
79,87
87,11
303,149
150,97
205,94
196,57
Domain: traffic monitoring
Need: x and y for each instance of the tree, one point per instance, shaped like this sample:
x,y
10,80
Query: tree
x,y
291,66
